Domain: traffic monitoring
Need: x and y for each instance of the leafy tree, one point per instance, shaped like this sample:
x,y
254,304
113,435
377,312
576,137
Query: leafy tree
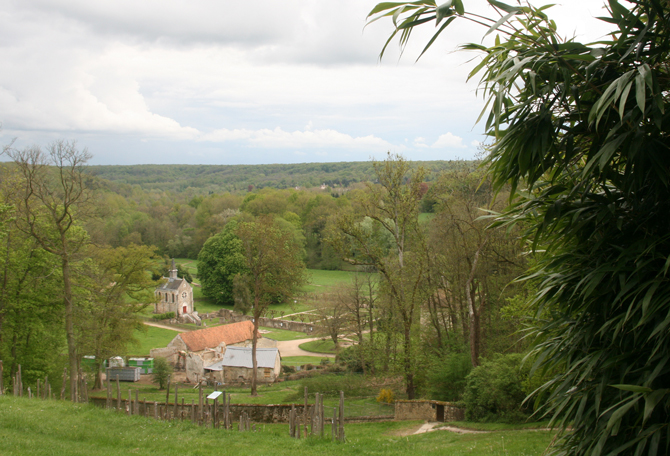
x,y
118,286
220,259
583,129
384,233
273,268
333,313
162,372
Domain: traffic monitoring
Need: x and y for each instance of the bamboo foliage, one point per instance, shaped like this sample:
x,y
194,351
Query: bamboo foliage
x,y
580,134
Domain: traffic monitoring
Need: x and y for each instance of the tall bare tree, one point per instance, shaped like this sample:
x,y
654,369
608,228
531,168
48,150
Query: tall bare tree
x,y
384,233
54,197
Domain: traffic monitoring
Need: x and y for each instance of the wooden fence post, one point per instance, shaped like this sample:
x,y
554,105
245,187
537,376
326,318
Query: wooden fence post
x,y
62,390
200,410
118,393
193,411
176,399
167,399
108,403
340,434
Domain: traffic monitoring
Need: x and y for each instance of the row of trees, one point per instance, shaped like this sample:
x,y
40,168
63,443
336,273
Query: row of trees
x,y
59,292
433,284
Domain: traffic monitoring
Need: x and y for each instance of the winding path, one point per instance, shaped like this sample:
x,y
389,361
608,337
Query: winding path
x,y
292,348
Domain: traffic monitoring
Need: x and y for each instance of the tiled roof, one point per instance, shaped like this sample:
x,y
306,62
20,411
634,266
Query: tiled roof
x,y
170,284
241,357
211,337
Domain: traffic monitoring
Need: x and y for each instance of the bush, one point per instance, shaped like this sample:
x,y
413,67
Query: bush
x,y
164,316
495,390
286,369
351,357
162,372
446,377
386,395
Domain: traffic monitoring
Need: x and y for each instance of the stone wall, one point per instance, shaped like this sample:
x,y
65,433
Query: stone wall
x,y
273,413
428,410
227,316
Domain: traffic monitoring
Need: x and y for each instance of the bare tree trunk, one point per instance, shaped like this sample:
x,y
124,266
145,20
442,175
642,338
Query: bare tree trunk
x,y
69,325
254,342
407,362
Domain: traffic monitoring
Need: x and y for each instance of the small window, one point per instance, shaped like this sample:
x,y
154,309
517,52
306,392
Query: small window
x,y
268,372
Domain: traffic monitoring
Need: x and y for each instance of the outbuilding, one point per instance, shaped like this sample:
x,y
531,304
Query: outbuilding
x,y
236,366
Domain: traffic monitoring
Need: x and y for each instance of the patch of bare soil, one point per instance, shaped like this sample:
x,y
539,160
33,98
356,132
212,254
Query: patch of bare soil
x,y
404,432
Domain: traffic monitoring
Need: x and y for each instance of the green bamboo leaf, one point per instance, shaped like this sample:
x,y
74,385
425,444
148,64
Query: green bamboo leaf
x,y
385,6
458,6
500,22
615,419
442,11
640,92
651,401
623,99
633,388
503,6
397,14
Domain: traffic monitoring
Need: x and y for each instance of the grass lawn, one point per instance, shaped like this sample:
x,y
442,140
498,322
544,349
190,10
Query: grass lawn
x,y
283,334
190,265
320,280
151,338
35,427
319,346
300,360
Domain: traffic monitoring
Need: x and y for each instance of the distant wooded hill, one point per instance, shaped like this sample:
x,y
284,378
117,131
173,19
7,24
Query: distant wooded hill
x,y
231,178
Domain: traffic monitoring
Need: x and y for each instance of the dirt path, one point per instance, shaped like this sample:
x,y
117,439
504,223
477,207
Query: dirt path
x,y
158,325
291,348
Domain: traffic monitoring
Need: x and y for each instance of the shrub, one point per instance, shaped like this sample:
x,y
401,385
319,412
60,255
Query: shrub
x,y
164,316
495,390
446,377
162,372
286,369
386,395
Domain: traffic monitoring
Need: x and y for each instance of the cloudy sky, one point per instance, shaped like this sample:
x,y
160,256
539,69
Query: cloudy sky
x,y
222,82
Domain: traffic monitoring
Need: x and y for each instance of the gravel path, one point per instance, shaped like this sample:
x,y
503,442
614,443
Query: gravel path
x,y
291,348
158,325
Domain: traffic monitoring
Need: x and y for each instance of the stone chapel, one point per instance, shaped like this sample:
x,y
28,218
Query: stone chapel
x,y
175,295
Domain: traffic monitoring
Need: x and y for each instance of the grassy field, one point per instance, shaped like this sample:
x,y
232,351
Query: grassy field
x,y
318,282
301,360
151,338
283,334
34,427
319,346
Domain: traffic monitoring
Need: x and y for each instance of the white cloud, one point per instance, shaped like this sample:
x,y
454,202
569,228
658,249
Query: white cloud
x,y
279,138
449,141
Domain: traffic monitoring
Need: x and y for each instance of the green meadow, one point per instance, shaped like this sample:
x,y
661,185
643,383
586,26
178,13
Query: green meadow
x,y
36,427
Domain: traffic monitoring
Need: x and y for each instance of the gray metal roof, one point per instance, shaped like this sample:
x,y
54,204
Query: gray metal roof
x,y
241,357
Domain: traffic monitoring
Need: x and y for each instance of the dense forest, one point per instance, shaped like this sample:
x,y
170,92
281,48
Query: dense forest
x,y
199,179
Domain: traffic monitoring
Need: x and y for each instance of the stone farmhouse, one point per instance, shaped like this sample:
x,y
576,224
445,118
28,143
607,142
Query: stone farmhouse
x,y
195,351
176,295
